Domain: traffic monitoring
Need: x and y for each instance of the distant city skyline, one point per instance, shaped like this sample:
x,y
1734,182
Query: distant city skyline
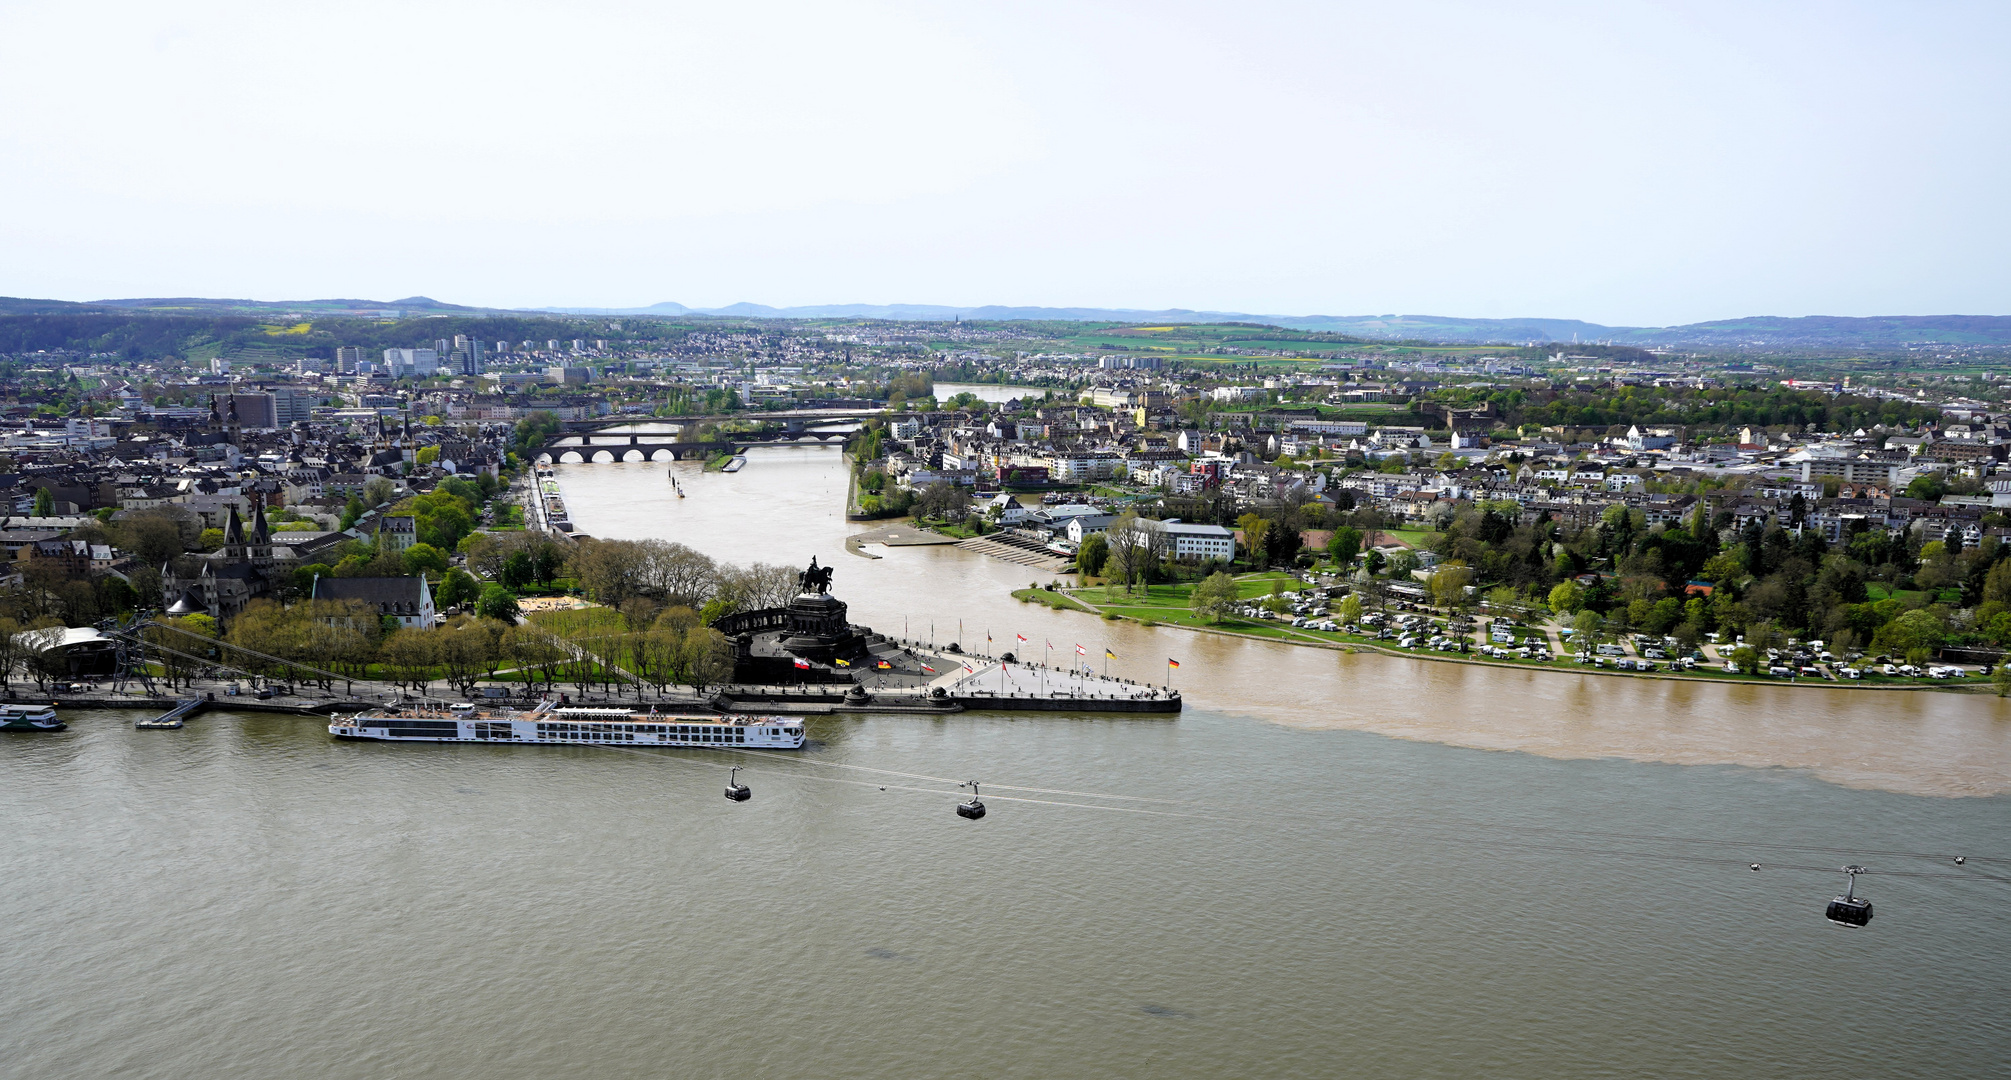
x,y
1626,165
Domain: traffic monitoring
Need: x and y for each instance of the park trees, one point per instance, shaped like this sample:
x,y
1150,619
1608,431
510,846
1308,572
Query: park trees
x,y
1913,635
409,655
457,589
158,535
425,559
1344,545
1747,659
535,654
1090,557
467,650
1448,584
705,659
498,603
1215,596
10,651
1566,597
1256,532
756,586
942,500
1586,630
182,646
1135,548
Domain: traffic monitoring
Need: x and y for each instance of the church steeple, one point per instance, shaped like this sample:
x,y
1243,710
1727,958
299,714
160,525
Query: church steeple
x,y
233,536
261,534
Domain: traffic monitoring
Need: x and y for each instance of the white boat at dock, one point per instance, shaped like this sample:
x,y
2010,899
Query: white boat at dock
x,y
574,725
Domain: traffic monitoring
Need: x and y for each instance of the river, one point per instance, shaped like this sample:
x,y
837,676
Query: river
x,y
1268,885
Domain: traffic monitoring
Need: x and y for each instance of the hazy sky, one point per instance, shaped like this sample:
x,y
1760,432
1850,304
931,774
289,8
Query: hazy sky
x,y
1624,163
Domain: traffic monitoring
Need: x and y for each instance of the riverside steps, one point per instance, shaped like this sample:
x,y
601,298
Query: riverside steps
x,y
173,717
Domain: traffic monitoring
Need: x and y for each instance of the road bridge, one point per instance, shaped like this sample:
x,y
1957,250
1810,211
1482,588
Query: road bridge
x,y
601,446
630,448
801,416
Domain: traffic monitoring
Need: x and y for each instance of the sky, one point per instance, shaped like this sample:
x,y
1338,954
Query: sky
x,y
1624,163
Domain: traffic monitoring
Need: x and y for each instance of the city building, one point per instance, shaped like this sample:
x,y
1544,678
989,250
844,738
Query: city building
x,y
412,363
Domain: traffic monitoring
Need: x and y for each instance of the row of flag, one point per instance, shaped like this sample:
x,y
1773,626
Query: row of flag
x,y
1079,651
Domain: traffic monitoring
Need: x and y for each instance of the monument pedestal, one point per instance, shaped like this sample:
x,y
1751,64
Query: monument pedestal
x,y
816,628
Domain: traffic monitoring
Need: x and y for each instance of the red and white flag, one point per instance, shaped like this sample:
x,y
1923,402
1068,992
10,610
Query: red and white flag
x,y
1080,651
803,663
1021,637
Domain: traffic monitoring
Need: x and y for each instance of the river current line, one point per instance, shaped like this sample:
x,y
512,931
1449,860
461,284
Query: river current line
x,y
1523,837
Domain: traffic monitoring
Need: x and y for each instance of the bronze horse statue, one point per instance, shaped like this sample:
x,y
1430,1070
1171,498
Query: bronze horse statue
x,y
817,579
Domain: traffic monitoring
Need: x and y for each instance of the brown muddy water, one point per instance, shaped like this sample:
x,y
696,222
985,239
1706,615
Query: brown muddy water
x,y
1268,885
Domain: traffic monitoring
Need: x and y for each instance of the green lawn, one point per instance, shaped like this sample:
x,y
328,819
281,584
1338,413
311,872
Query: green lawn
x,y
1058,600
1174,604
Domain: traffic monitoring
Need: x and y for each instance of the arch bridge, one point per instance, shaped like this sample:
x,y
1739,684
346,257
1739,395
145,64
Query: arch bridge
x,y
630,448
601,446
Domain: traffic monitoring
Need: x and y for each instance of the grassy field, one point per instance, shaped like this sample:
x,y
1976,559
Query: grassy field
x,y
1173,604
1876,591
1057,600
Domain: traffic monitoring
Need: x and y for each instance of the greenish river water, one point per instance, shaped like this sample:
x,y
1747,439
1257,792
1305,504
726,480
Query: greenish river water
x,y
1272,884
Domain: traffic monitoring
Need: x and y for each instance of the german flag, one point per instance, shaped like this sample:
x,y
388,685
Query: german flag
x,y
1170,662
883,665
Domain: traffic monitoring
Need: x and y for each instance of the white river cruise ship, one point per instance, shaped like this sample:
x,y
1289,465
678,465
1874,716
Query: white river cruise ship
x,y
547,724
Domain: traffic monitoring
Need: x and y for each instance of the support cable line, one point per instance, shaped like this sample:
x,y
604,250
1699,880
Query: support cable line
x,y
1529,829
1532,833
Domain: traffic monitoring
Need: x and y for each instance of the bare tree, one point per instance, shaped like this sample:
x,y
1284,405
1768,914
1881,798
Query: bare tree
x,y
678,574
761,585
464,651
10,651
534,652
1132,550
707,658
411,654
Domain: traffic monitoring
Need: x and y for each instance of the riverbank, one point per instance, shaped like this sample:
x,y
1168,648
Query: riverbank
x,y
1254,587
788,504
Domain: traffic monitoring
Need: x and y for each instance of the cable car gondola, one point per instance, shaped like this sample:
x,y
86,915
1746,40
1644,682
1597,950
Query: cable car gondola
x,y
738,792
973,809
1848,909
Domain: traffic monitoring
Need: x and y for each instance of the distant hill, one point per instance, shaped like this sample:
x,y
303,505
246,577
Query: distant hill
x,y
16,305
1820,331
411,305
1755,332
